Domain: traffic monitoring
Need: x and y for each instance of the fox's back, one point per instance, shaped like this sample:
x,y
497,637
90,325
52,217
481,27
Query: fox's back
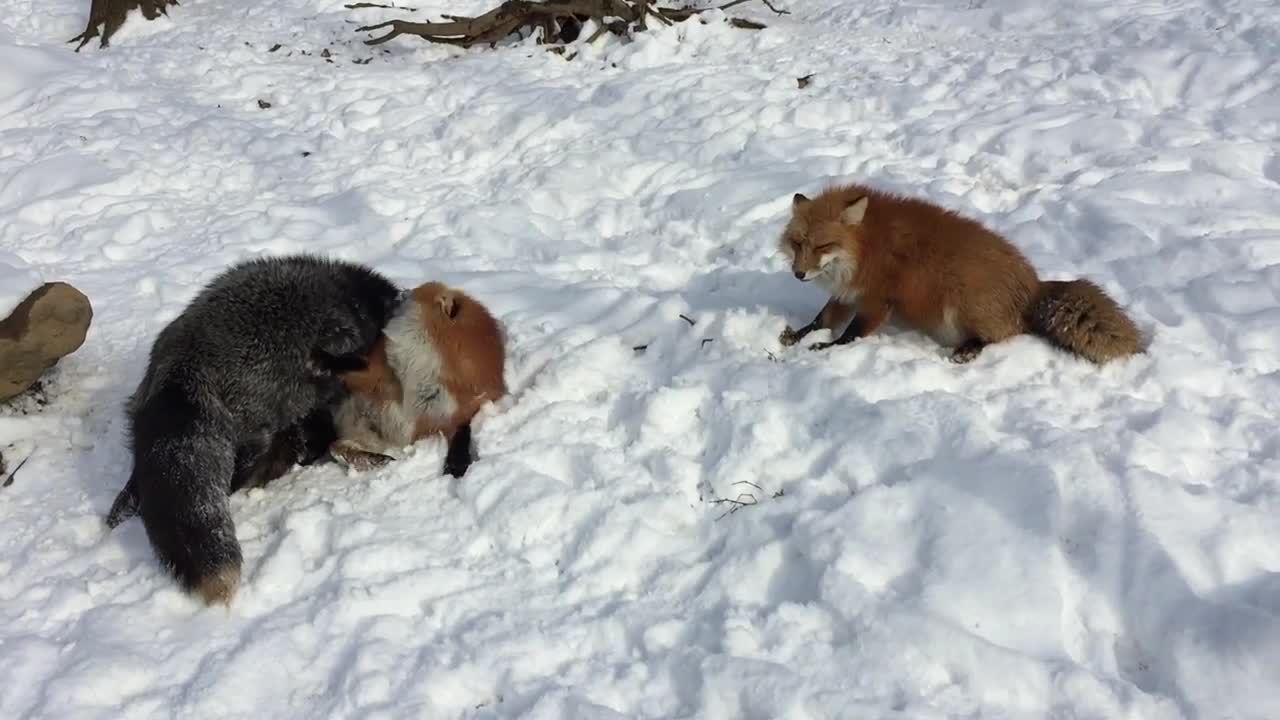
x,y
935,256
246,340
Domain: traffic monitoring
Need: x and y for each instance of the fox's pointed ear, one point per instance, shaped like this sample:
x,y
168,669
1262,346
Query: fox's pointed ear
x,y
799,200
857,210
448,304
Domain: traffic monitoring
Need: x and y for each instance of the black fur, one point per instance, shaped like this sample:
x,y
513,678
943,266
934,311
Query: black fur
x,y
238,389
854,330
458,457
303,443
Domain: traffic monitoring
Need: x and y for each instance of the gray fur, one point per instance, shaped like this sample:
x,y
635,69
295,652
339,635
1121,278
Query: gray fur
x,y
247,363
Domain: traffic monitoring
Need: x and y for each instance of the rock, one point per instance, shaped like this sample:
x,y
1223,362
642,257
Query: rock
x,y
50,324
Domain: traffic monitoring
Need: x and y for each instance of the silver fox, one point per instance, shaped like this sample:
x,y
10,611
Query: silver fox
x,y
239,387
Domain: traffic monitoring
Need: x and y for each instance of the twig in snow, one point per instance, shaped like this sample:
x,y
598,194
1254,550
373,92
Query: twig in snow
x,y
742,500
735,504
686,319
766,3
9,480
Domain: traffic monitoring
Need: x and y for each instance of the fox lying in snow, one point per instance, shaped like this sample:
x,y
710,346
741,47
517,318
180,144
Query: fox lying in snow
x,y
437,363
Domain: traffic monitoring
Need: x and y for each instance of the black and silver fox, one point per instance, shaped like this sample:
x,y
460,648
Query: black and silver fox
x,y
239,388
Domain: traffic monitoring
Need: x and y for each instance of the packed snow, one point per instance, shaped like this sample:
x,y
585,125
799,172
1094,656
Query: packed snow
x,y
671,516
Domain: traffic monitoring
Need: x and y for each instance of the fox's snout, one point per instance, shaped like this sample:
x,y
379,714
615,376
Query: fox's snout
x,y
801,275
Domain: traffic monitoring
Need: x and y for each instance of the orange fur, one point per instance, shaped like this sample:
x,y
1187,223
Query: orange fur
x,y
377,380
464,361
941,273
470,345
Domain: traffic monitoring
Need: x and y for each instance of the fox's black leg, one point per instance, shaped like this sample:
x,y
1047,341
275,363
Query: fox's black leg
x,y
857,328
458,458
316,433
125,505
832,315
262,459
340,349
791,337
337,364
866,321
968,350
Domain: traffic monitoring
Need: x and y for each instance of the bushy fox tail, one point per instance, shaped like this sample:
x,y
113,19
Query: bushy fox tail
x,y
1078,316
183,464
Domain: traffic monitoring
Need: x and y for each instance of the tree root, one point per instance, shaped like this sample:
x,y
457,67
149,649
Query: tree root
x,y
559,21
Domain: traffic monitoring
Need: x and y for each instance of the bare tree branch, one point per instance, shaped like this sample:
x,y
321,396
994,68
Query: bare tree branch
x,y
560,21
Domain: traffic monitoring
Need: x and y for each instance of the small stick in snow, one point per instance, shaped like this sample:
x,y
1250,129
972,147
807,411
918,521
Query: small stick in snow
x,y
743,499
767,4
735,504
8,480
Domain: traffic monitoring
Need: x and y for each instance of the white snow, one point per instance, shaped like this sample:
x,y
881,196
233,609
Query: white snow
x,y
17,280
1024,537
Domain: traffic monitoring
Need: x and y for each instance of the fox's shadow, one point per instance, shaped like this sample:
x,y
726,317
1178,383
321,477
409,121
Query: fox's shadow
x,y
729,289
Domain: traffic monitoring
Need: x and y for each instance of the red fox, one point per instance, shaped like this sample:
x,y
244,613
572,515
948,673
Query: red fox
x,y
438,361
943,274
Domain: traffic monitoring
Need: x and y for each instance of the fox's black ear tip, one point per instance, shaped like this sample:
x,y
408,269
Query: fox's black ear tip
x,y
799,199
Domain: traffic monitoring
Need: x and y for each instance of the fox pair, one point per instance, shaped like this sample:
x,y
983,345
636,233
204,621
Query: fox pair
x,y
284,361
946,275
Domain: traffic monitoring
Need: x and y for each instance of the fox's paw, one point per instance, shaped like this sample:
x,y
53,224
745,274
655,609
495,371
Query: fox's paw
x,y
456,466
350,456
822,345
967,351
789,337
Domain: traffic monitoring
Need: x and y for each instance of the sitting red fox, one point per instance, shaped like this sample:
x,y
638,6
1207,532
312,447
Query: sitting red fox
x,y
438,361
942,273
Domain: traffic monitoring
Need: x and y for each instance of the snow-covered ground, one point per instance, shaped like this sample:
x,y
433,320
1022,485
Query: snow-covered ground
x,y
1024,537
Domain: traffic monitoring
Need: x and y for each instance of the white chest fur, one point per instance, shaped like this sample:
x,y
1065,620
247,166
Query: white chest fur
x,y
387,426
836,277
